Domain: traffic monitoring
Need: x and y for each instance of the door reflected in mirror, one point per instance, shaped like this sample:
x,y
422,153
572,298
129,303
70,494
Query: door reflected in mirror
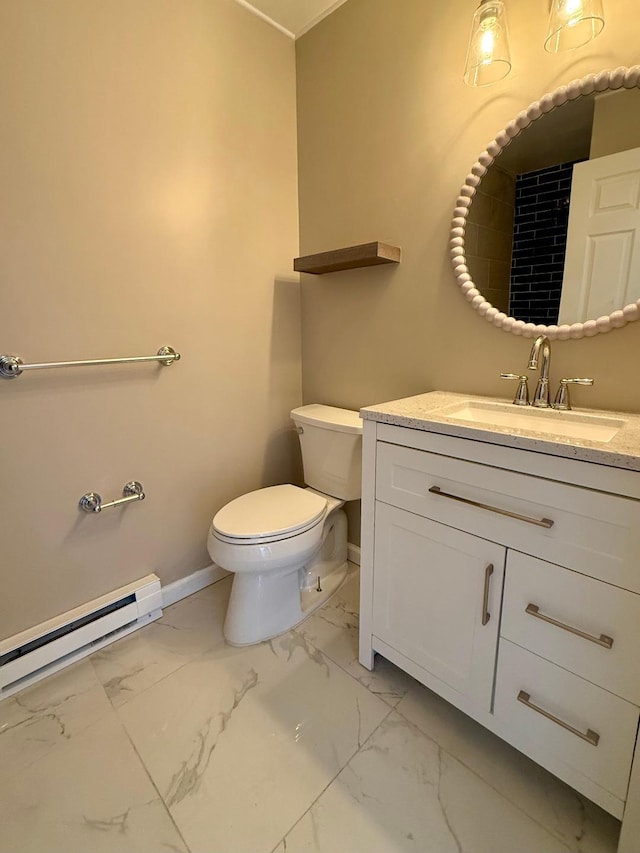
x,y
553,232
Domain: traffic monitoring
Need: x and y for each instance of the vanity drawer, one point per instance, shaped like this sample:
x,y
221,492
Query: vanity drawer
x,y
592,532
575,722
608,616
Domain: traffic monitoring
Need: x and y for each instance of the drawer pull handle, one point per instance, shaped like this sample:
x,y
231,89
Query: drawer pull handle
x,y
485,598
539,522
602,640
591,737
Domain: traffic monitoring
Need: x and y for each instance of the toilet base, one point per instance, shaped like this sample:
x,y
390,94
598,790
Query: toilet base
x,y
264,605
329,584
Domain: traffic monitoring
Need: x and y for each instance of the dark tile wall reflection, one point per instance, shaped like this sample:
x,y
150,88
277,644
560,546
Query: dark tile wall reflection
x,y
539,243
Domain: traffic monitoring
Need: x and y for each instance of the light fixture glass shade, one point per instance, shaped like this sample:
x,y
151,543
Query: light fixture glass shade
x,y
573,23
488,56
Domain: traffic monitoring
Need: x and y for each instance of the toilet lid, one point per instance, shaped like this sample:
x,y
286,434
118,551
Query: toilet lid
x,y
275,511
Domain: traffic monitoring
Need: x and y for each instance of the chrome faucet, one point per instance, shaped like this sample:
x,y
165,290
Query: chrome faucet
x,y
541,396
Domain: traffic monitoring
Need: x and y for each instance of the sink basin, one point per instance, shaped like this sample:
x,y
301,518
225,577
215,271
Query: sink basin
x,y
546,421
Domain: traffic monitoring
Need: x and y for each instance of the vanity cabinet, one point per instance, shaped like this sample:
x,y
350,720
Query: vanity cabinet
x,y
508,581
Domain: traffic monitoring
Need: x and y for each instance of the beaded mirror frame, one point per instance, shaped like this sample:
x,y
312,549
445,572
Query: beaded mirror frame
x,y
619,78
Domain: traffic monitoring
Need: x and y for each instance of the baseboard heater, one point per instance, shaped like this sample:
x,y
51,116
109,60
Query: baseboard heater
x,y
33,654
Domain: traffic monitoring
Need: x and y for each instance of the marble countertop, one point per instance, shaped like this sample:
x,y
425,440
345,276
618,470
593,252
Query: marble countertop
x,y
428,412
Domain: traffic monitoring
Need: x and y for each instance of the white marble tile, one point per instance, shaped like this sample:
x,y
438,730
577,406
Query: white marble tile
x,y
334,630
402,792
186,630
241,741
579,823
89,793
51,712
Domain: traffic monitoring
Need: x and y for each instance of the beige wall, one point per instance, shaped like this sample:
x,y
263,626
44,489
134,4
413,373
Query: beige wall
x,y
616,123
387,134
489,236
148,166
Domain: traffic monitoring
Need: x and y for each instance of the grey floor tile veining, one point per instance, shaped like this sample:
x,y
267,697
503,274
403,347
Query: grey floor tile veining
x,y
89,792
170,740
334,630
186,630
403,792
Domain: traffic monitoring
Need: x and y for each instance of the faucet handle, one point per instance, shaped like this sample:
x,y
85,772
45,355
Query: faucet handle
x,y
562,400
522,393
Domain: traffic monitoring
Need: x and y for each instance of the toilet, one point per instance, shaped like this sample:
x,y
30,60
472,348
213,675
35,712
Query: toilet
x,y
286,545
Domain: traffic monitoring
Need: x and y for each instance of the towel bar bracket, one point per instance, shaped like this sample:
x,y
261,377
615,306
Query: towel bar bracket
x,y
10,366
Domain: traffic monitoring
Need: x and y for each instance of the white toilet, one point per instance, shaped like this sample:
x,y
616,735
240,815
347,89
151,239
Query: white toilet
x,y
288,546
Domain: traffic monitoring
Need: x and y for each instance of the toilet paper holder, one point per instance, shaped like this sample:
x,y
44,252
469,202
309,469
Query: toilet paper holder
x,y
92,502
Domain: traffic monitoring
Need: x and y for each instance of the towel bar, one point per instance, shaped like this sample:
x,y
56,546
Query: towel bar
x,y
12,366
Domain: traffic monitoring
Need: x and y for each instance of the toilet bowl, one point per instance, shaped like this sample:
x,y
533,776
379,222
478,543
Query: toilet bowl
x,y
286,545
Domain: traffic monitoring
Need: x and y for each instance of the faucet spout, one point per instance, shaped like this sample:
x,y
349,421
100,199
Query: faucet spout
x,y
541,354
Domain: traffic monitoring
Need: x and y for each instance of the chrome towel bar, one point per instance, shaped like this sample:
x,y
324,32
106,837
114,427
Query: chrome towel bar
x,y
92,502
12,366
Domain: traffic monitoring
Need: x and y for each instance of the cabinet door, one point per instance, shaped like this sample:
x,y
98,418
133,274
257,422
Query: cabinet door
x,y
433,592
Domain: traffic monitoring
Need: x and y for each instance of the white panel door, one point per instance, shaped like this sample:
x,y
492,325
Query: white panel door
x,y
602,264
429,599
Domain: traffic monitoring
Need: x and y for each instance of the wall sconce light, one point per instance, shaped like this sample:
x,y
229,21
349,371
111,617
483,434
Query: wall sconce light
x,y
488,55
573,23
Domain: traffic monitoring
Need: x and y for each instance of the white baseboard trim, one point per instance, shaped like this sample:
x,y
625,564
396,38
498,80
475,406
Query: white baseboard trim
x,y
176,590
353,553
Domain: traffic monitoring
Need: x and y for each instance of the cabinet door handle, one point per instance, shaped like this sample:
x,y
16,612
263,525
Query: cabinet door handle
x,y
591,737
539,522
485,598
602,640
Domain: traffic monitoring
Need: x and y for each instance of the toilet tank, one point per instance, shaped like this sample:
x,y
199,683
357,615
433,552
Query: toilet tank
x,y
331,441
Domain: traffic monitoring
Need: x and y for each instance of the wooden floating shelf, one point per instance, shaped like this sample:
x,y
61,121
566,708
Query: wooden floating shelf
x,y
352,257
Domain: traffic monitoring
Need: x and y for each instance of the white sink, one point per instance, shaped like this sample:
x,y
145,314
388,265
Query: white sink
x,y
547,421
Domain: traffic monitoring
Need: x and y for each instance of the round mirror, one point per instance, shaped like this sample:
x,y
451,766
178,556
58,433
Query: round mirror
x,y
545,237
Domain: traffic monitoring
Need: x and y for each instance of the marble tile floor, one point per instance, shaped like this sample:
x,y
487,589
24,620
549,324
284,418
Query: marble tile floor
x,y
170,740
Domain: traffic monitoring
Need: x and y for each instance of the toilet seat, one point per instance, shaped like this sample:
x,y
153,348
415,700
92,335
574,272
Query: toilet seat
x,y
268,515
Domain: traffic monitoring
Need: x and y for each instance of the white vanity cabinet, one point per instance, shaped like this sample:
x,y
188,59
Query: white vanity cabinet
x,y
508,581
